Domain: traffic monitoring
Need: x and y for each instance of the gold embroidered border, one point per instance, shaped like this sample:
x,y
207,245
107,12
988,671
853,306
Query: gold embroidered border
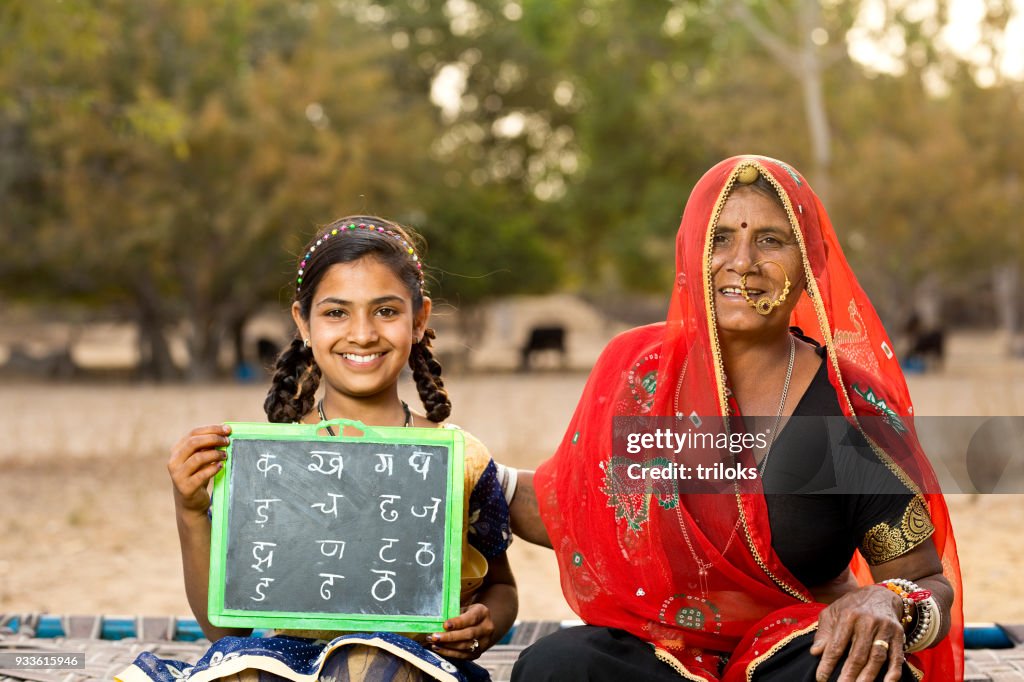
x,y
918,674
775,649
713,331
671,661
885,542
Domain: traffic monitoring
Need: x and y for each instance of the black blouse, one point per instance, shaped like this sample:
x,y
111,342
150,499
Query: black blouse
x,y
828,493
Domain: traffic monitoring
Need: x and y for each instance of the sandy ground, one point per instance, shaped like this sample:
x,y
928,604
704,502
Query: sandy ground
x,y
87,522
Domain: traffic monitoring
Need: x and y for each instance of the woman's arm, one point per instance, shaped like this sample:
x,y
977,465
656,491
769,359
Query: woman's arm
x,y
484,622
525,514
194,461
853,624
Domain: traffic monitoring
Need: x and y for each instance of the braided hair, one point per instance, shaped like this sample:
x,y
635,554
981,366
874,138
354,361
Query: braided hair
x,y
296,377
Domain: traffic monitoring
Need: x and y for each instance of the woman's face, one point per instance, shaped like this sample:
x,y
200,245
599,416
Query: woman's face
x,y
753,229
361,327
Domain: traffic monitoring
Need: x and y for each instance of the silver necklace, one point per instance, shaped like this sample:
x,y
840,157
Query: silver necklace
x,y
330,429
703,566
782,406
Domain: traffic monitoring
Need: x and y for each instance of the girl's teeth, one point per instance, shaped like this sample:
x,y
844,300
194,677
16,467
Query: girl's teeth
x,y
361,358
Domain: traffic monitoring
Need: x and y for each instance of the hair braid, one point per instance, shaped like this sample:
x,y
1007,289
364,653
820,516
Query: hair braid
x,y
293,388
426,371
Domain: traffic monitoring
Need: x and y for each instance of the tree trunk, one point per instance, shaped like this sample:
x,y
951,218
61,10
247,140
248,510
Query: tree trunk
x,y
155,361
204,344
810,76
806,64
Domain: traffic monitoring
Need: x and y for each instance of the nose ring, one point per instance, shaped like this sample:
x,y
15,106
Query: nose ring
x,y
765,305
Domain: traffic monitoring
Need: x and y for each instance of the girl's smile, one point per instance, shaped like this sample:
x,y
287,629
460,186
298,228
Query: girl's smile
x,y
361,328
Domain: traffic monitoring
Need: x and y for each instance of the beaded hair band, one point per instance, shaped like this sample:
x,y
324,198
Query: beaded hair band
x,y
360,226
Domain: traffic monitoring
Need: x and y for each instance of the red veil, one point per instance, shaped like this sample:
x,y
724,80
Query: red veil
x,y
696,574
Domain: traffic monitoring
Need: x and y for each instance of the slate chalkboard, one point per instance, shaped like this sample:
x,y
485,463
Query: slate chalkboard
x,y
337,533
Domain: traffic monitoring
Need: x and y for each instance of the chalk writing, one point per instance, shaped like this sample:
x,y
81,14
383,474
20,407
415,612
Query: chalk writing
x,y
420,463
261,510
322,506
386,463
265,465
267,559
332,548
426,549
263,584
390,543
431,507
346,533
386,577
389,515
333,465
325,593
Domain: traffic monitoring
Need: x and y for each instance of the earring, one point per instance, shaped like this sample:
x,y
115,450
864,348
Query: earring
x,y
305,343
765,305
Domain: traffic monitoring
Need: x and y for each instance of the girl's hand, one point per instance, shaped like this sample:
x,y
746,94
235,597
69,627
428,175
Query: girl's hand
x,y
194,460
851,626
466,636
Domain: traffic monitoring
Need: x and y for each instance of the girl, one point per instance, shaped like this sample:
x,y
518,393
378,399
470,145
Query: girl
x,y
361,314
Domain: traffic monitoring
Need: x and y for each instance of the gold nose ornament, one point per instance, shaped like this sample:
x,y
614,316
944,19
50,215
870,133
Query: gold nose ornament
x,y
765,305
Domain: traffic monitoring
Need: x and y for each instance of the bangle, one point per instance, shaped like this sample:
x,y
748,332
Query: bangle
x,y
929,618
929,623
908,604
508,478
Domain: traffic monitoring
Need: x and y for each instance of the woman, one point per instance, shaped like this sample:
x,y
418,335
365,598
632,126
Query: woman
x,y
748,585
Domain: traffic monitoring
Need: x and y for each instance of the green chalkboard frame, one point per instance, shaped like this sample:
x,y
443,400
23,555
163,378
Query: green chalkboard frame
x,y
452,439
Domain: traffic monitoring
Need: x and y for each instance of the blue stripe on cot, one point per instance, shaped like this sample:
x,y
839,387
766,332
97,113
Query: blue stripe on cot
x,y
979,636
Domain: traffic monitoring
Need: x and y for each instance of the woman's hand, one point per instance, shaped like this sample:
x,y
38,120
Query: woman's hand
x,y
466,636
194,460
851,626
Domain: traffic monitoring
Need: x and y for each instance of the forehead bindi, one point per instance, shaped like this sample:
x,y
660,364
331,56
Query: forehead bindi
x,y
746,208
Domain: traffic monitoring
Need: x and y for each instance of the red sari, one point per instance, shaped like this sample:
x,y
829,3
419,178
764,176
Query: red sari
x,y
696,574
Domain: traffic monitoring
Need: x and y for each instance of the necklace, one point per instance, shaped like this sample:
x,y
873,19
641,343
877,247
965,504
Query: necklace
x,y
782,405
703,566
330,429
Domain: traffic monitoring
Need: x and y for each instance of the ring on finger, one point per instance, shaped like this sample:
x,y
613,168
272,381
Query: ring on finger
x,y
475,645
882,643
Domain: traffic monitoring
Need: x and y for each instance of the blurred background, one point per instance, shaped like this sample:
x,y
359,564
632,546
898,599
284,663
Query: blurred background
x,y
162,163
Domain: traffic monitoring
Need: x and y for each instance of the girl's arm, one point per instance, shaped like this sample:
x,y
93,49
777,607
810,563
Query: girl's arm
x,y
484,622
193,463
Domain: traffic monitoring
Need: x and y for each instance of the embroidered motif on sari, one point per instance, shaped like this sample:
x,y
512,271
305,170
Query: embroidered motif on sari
x,y
886,541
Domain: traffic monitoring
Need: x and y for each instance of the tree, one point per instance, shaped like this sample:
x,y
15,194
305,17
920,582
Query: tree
x,y
187,147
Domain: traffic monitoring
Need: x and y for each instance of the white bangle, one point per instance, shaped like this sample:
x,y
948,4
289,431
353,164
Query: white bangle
x,y
929,621
508,478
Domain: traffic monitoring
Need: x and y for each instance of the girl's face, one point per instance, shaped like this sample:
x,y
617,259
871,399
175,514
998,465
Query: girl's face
x,y
752,230
361,327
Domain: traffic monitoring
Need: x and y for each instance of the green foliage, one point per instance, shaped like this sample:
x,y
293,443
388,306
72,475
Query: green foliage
x,y
173,155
